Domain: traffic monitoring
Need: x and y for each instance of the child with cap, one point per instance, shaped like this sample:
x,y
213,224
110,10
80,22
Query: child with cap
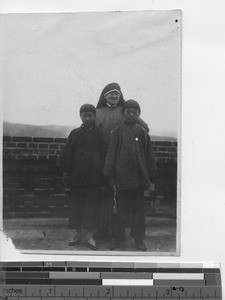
x,y
129,167
82,163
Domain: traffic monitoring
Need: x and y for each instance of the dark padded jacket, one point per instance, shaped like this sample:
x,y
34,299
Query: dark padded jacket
x,y
83,156
130,158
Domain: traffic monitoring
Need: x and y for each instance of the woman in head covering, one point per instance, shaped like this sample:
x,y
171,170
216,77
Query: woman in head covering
x,y
108,117
108,110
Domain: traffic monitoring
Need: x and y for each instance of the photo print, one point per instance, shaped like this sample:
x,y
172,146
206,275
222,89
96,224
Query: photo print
x,y
91,132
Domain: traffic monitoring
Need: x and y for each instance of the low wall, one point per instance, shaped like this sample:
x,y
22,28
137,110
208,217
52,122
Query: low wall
x,y
32,184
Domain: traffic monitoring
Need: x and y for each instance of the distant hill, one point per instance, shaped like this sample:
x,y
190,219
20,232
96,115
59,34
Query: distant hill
x,y
16,129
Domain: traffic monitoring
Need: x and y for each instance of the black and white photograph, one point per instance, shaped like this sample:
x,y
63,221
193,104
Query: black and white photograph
x,y
92,131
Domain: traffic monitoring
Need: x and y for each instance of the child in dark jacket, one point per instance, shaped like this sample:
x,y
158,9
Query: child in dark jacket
x,y
129,166
82,163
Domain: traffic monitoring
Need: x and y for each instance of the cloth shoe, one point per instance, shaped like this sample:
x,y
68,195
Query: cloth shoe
x,y
140,245
114,244
76,238
91,243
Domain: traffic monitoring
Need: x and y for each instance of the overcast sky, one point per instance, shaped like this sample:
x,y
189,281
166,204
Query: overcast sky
x,y
53,63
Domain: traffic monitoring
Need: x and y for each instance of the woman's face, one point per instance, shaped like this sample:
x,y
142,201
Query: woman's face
x,y
112,98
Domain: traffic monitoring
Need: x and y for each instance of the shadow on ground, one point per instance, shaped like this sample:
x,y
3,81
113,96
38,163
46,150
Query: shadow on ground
x,y
53,234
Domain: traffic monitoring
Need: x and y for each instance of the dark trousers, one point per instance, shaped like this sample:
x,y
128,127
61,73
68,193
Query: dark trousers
x,y
105,220
130,202
84,208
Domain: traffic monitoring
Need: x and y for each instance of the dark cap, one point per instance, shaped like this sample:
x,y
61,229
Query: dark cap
x,y
86,108
131,104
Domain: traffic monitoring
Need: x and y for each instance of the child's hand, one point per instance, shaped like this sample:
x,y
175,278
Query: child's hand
x,y
152,187
65,179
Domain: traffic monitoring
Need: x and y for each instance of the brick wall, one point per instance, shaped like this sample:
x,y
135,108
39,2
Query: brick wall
x,y
39,148
28,148
32,184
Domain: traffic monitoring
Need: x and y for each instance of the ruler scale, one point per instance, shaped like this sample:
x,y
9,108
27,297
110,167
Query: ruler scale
x,y
99,280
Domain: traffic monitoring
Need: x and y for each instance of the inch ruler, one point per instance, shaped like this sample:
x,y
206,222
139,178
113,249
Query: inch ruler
x,y
98,280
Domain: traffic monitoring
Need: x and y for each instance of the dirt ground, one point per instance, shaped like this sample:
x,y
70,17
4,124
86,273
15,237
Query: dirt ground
x,y
53,234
